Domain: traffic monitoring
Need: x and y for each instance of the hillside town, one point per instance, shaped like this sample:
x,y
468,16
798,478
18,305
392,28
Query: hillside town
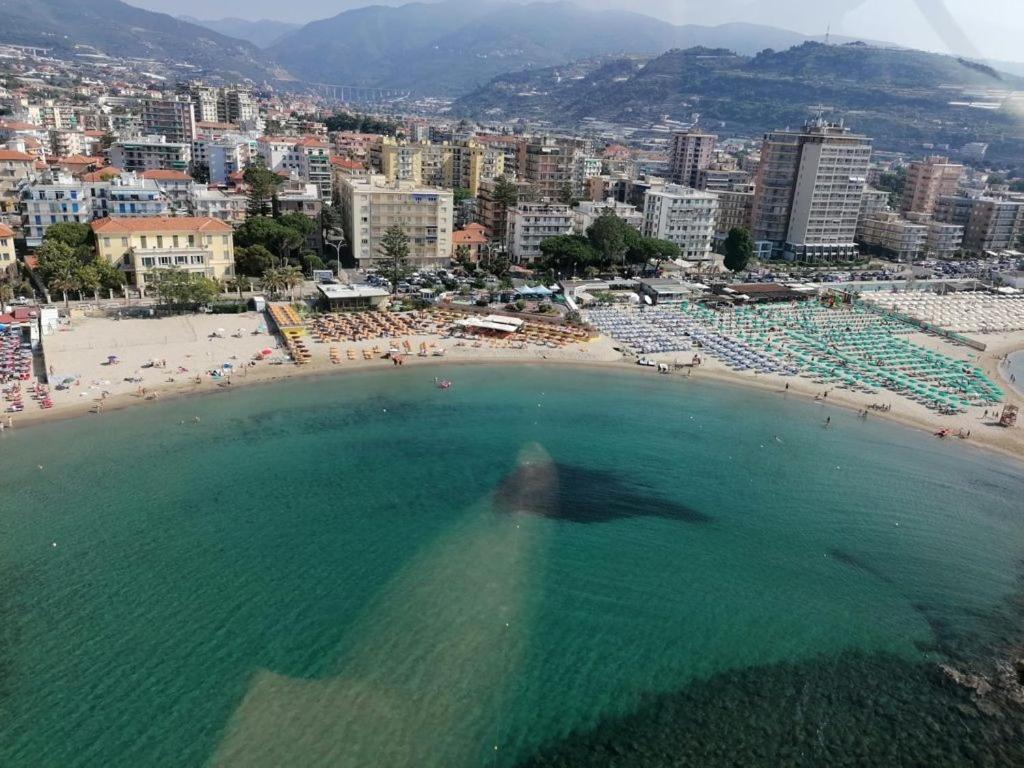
x,y
145,195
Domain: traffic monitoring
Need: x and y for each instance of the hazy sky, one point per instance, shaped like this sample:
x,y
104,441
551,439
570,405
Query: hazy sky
x,y
987,28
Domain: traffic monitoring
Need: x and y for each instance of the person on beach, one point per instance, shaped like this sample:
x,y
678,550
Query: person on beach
x,y
828,421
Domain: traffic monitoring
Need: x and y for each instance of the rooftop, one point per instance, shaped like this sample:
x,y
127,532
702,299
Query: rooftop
x,y
334,291
159,224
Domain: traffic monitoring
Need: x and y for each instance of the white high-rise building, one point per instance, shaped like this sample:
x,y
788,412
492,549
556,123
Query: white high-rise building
x,y
809,189
683,216
370,205
530,224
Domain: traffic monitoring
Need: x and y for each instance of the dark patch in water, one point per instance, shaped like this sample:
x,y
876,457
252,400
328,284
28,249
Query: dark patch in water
x,y
579,495
857,709
853,561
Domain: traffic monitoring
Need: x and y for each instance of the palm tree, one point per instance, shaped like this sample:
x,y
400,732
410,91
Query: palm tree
x,y
273,280
64,280
292,277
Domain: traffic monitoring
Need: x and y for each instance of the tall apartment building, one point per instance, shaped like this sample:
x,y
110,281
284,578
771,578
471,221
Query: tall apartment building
x,y
224,155
927,181
201,246
491,214
172,118
893,235
990,223
151,153
221,105
684,216
370,205
943,241
721,179
307,159
809,189
547,164
692,152
529,224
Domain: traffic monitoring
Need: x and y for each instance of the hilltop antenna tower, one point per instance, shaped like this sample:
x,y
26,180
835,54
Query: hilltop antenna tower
x,y
828,34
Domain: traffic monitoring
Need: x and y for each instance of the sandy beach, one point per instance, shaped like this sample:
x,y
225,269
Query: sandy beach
x,y
188,349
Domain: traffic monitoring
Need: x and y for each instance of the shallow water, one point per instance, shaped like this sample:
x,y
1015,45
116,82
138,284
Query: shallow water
x,y
542,566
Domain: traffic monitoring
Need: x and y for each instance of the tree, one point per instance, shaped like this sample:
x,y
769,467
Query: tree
x,y
178,286
394,251
200,173
292,278
70,233
273,281
262,184
505,196
88,278
460,194
566,196
739,249
55,256
567,253
609,236
64,278
253,261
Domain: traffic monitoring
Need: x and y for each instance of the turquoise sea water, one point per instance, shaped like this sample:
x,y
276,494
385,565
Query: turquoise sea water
x,y
1015,366
539,566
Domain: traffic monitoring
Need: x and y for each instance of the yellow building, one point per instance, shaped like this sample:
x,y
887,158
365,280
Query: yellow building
x,y
6,248
460,164
203,246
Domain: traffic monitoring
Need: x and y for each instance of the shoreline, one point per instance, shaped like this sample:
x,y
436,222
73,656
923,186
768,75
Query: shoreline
x,y
799,388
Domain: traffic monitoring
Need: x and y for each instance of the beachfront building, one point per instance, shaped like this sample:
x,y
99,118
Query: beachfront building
x,y
151,153
202,246
683,216
370,205
927,181
891,234
692,152
990,223
529,224
809,188
588,211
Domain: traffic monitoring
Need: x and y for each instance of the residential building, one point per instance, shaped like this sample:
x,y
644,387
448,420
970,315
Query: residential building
x,y
7,256
53,199
202,246
894,236
315,165
944,240
547,165
990,223
529,224
176,185
691,153
721,180
297,196
172,118
215,204
224,155
735,209
15,167
684,216
151,153
927,181
471,240
588,211
809,189
370,205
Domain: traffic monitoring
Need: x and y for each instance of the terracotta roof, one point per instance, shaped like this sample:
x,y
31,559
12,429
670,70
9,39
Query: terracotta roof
x,y
6,231
10,154
16,126
344,162
473,234
103,173
159,224
75,160
312,141
165,175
